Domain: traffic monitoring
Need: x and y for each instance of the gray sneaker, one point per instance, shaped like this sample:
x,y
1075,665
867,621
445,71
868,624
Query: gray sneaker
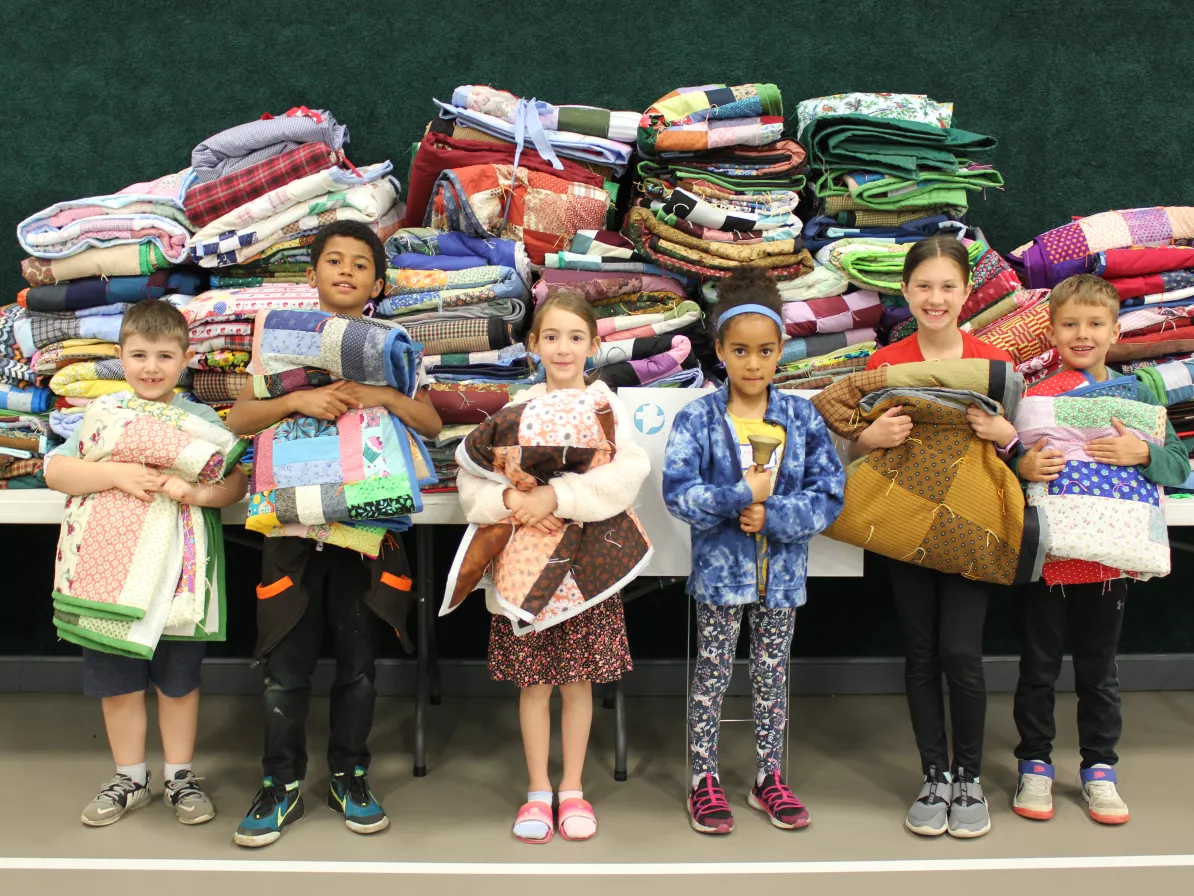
x,y
120,795
190,803
968,815
929,815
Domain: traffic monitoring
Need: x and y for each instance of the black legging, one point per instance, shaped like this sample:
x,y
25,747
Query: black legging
x,y
941,620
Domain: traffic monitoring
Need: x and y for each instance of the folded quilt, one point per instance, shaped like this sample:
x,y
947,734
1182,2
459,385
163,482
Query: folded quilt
x,y
1153,286
228,361
547,143
458,403
143,565
421,248
699,118
219,305
96,292
923,189
50,327
243,146
899,106
1178,380
743,213
901,148
589,120
312,202
222,336
25,397
219,387
1103,521
361,349
618,327
508,355
1115,264
875,264
799,348
957,504
47,361
142,213
1154,319
1022,333
821,282
1066,250
741,169
453,336
111,261
540,210
818,232
601,287
205,202
836,314
490,281
541,579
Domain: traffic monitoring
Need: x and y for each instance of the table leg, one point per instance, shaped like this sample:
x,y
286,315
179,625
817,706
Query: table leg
x,y
433,645
425,560
619,733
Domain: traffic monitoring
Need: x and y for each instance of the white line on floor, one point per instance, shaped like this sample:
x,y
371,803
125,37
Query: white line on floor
x,y
1046,863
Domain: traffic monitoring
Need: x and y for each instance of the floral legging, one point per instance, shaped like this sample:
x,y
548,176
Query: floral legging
x,y
770,645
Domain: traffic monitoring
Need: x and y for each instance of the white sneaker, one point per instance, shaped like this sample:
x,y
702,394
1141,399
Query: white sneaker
x,y
1034,795
1102,796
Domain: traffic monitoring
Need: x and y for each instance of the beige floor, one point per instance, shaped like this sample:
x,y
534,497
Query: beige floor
x,y
852,762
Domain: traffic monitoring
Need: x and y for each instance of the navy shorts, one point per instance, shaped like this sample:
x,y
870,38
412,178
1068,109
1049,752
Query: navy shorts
x,y
174,670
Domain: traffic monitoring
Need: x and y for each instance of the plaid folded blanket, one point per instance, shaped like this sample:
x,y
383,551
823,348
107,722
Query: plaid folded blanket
x,y
1104,522
244,145
943,499
698,118
129,572
480,334
541,579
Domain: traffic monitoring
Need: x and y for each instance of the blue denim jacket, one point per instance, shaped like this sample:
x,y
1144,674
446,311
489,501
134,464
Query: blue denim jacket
x,y
703,486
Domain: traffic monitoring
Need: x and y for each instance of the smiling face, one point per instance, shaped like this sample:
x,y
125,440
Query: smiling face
x,y
935,292
345,276
749,346
152,366
563,342
1082,334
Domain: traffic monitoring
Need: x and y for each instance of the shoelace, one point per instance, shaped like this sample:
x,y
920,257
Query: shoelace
x,y
964,798
358,790
267,799
183,789
779,796
710,798
119,788
1102,790
1036,785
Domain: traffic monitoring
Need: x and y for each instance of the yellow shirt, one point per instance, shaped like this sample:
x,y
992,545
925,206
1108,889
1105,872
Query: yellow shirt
x,y
743,429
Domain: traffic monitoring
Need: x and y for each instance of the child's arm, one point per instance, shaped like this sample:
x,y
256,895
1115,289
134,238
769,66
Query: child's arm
x,y
483,500
74,476
795,519
609,489
250,415
224,493
418,413
686,495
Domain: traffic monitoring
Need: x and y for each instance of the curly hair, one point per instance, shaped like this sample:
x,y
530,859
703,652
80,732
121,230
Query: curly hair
x,y
747,285
357,231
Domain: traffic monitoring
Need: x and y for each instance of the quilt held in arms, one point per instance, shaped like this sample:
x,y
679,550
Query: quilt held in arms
x,y
344,482
129,572
943,499
539,579
1104,522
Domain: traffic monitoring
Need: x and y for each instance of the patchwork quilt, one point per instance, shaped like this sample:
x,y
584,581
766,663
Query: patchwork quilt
x,y
129,572
541,579
1104,522
698,118
943,499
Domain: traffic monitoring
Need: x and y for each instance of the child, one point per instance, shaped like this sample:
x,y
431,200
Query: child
x,y
750,530
1083,312
326,586
591,646
153,349
941,615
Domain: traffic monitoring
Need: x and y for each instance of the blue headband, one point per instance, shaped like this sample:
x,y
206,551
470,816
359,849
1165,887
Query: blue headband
x,y
750,309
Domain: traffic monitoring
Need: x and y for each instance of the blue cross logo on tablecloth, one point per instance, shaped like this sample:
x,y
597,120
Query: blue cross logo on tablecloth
x,y
649,419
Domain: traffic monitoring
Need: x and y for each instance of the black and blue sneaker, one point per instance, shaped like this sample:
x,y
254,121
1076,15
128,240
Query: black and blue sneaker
x,y
350,796
275,806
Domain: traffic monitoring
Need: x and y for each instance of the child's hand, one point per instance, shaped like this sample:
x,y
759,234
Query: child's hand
x,y
178,489
1125,450
324,403
760,484
361,396
751,519
537,504
990,427
1038,465
549,525
512,498
136,480
889,431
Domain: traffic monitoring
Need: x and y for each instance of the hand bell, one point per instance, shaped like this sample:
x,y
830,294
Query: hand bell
x,y
763,447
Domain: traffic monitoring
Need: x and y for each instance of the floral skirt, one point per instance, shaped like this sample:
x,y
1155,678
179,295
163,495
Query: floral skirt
x,y
591,646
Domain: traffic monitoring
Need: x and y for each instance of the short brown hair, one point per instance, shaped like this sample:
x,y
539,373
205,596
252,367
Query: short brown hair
x,y
155,320
936,247
1085,289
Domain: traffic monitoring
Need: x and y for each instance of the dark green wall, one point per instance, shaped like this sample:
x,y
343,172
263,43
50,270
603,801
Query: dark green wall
x,y
1088,101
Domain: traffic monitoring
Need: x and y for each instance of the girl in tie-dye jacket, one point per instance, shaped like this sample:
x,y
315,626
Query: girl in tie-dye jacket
x,y
750,531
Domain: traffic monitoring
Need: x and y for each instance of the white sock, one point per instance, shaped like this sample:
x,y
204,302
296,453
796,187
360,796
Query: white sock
x,y
172,770
577,827
139,773
759,779
534,830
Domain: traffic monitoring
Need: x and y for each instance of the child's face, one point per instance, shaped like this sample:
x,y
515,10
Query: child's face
x,y
564,342
345,276
750,348
152,367
935,294
1082,334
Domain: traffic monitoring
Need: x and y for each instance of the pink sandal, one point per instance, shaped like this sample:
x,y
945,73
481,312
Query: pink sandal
x,y
576,808
535,811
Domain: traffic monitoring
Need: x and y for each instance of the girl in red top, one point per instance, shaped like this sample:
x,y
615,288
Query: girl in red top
x,y
941,615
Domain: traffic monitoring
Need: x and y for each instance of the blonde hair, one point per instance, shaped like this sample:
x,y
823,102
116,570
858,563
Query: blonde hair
x,y
155,320
1085,289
